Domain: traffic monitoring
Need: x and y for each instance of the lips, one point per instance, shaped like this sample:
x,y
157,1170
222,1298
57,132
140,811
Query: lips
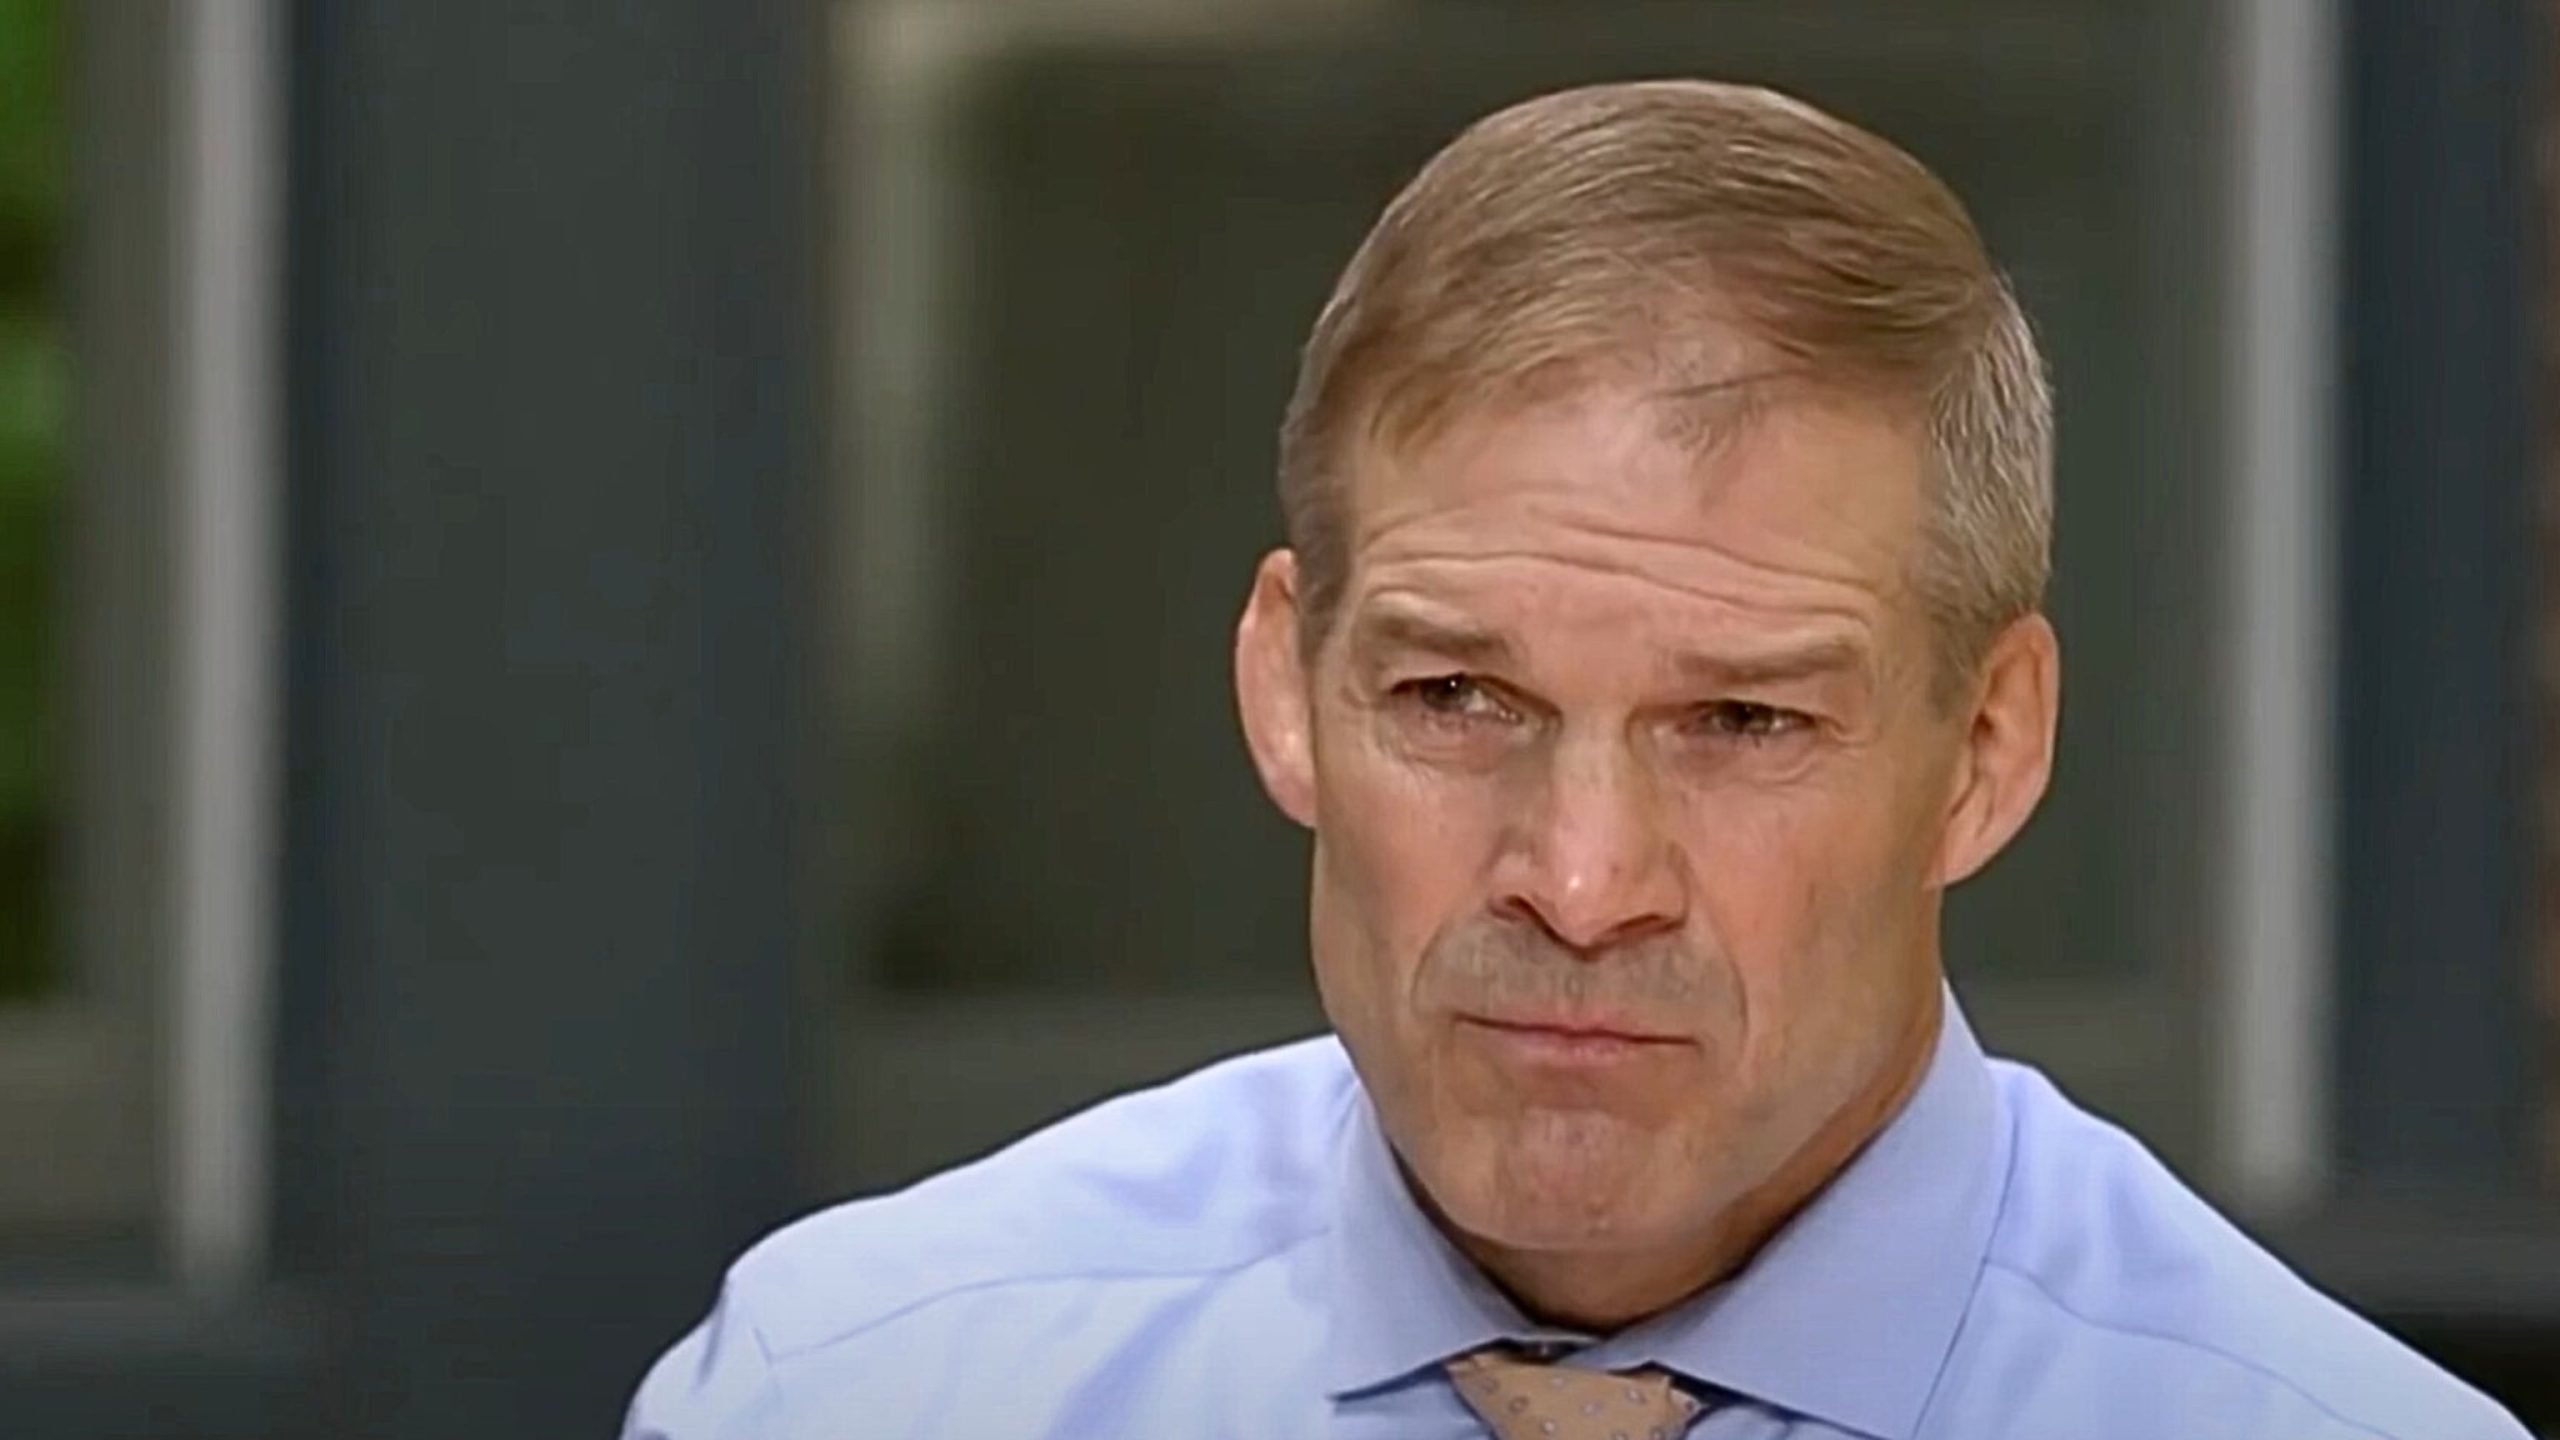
x,y
1598,1031
1578,1050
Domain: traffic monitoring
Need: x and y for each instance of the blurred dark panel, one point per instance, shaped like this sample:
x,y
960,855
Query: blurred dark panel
x,y
2439,1229
138,1368
554,378
2434,1015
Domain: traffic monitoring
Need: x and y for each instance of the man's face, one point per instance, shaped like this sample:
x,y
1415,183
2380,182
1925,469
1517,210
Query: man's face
x,y
1631,805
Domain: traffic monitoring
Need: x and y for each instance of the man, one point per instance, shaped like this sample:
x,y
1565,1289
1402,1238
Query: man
x,y
1668,495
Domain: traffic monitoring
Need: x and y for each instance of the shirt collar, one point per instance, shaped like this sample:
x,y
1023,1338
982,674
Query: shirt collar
x,y
1846,1314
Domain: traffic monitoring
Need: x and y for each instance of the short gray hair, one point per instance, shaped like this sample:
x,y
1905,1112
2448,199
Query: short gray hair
x,y
1585,226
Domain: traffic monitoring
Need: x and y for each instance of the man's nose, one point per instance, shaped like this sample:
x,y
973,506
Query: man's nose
x,y
1592,861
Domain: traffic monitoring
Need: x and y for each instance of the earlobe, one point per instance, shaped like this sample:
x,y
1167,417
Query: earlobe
x,y
1271,689
2008,754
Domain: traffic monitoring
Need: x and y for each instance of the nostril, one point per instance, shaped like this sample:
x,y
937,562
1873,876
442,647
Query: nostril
x,y
1529,913
1584,938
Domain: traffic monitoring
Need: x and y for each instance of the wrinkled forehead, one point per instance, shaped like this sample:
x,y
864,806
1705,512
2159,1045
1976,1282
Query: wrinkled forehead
x,y
1765,468
1745,511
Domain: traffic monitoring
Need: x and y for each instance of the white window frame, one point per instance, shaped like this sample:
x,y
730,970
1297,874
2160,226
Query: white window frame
x,y
2273,1018
2269,975
227,515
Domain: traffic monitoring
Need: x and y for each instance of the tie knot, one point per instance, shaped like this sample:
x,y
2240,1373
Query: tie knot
x,y
1523,1399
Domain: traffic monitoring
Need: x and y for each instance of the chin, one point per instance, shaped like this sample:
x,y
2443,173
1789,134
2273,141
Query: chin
x,y
1560,1180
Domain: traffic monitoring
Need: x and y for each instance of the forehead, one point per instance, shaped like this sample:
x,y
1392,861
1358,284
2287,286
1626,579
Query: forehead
x,y
1794,515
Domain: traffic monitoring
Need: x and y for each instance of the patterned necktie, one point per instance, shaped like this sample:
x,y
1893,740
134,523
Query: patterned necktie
x,y
1529,1400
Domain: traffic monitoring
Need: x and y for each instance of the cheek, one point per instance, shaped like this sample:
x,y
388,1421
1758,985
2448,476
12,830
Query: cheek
x,y
1400,848
1804,903
1804,889
1395,864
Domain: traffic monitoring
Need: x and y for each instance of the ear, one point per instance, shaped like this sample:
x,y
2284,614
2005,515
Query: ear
x,y
1272,692
2007,756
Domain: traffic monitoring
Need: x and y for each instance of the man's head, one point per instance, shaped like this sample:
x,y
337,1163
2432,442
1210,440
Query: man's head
x,y
1668,491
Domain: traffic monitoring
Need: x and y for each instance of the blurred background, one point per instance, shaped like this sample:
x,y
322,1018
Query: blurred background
x,y
613,626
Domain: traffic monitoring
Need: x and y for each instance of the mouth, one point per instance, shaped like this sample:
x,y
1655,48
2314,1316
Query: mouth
x,y
1573,1043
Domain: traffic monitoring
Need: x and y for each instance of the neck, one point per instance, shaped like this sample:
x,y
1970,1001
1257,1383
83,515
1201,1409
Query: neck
x,y
1601,1292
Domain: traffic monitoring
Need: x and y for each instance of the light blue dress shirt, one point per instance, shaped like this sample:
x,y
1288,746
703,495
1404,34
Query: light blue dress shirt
x,y
1234,1256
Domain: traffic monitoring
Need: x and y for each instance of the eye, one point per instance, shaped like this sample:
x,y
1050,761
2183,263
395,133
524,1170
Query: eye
x,y
1748,720
1454,698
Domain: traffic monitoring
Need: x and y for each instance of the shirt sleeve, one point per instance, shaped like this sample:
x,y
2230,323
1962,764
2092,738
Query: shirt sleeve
x,y
716,1384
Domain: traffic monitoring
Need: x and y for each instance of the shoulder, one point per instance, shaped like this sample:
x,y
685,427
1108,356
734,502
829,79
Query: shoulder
x,y
2130,1275
1208,1174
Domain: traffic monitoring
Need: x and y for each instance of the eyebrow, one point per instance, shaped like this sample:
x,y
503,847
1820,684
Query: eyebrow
x,y
1812,660
1403,630
1477,647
